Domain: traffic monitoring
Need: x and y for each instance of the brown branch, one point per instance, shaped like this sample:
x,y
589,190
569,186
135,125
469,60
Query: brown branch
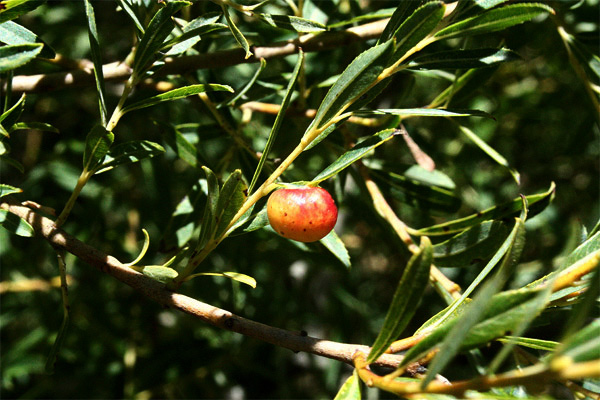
x,y
118,71
156,291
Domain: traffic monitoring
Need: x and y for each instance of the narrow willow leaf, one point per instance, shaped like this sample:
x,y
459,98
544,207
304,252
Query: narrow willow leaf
x,y
13,33
96,59
278,120
142,251
11,9
236,276
424,112
176,94
474,245
12,115
261,220
350,390
6,190
432,178
584,54
335,245
130,152
361,149
402,11
465,84
126,6
192,32
407,296
210,210
15,224
464,59
247,86
356,79
231,197
182,147
40,126
237,34
416,28
582,346
418,194
157,272
465,334
291,23
326,133
537,344
495,20
155,34
377,14
583,310
537,203
97,144
14,56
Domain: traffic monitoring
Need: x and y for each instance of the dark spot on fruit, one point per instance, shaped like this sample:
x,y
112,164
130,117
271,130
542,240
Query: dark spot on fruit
x,y
285,214
304,229
310,222
282,233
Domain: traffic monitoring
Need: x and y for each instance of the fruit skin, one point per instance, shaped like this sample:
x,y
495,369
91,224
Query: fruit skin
x,y
305,214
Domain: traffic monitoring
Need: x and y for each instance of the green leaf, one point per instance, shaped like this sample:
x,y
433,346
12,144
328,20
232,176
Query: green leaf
x,y
494,20
465,334
15,224
6,190
261,220
97,144
129,152
192,33
537,344
157,272
423,112
176,94
402,11
463,85
474,245
97,60
12,115
231,197
248,85
356,153
291,23
356,79
210,209
124,4
11,9
350,390
377,14
157,31
418,194
236,276
537,203
278,120
14,56
416,28
237,34
464,59
582,346
407,296
335,245
13,163
182,147
13,33
40,126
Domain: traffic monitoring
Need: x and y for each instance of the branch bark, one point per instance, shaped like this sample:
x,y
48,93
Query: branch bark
x,y
217,317
118,71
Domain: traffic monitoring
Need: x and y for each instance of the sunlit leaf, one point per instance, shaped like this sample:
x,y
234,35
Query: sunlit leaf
x,y
40,126
361,149
423,112
176,94
464,59
494,20
350,390
6,190
335,245
237,34
14,56
13,33
11,9
15,224
291,23
406,298
231,197
236,276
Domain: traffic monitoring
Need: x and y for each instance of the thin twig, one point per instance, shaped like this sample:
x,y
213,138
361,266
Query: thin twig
x,y
217,317
118,71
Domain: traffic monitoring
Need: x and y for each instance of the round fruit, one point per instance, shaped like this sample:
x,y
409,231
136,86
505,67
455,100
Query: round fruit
x,y
305,214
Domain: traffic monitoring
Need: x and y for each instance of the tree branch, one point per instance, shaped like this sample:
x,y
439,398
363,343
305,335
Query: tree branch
x,y
118,71
156,291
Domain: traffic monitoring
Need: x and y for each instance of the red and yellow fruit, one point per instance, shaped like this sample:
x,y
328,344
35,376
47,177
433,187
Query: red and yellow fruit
x,y
305,214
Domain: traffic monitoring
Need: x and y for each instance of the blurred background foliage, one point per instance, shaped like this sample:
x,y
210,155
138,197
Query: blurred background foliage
x,y
121,345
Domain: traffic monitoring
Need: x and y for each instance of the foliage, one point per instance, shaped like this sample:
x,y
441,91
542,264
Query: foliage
x,y
460,141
